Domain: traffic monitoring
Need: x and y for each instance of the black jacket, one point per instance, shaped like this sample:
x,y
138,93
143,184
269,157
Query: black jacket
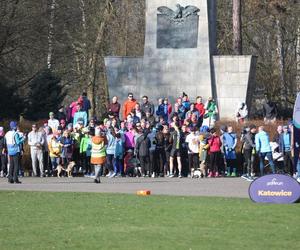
x,y
142,146
249,141
2,144
147,107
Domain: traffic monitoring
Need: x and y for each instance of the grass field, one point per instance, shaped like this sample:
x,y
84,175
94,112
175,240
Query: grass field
x,y
36,220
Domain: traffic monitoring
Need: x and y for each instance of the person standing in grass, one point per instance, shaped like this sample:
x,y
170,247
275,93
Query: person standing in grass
x,y
229,142
215,145
98,156
262,144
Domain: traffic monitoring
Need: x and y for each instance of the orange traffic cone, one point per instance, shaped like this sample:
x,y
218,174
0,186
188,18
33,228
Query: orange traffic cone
x,y
143,192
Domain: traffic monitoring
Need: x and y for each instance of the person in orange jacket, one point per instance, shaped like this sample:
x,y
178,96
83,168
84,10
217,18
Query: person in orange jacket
x,y
128,105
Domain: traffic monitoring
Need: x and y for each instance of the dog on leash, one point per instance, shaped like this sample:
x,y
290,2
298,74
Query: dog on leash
x,y
59,169
70,167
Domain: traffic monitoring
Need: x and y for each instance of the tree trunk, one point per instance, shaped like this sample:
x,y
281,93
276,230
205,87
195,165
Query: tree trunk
x,y
237,27
298,61
51,34
96,56
281,61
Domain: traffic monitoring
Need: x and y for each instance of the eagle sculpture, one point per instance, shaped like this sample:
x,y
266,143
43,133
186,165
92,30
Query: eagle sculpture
x,y
180,14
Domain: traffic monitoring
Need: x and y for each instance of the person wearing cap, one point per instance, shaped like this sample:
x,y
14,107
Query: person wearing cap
x,y
128,105
80,115
285,147
52,122
98,153
13,142
3,159
262,144
249,151
36,142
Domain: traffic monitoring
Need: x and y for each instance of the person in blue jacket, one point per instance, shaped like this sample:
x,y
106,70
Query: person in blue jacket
x,y
229,143
13,142
80,115
285,147
262,144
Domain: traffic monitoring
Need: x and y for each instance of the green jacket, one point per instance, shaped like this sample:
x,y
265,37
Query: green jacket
x,y
84,143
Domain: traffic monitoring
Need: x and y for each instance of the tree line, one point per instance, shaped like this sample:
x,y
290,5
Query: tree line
x,y
52,50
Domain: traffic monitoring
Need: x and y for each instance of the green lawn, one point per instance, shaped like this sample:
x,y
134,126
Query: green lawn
x,y
36,220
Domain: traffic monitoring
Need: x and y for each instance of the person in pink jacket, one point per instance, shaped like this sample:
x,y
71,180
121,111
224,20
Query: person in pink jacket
x,y
215,145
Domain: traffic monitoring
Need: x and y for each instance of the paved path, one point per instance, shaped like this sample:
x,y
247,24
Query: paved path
x,y
221,187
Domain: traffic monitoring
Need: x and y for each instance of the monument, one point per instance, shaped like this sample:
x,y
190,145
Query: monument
x,y
180,55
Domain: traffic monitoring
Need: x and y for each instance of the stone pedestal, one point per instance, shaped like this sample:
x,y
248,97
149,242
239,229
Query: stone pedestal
x,y
180,58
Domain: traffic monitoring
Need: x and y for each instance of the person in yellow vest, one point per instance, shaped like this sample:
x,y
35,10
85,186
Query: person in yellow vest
x,y
98,156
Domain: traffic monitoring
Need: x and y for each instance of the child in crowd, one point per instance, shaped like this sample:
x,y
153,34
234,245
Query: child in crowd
x,y
118,155
54,151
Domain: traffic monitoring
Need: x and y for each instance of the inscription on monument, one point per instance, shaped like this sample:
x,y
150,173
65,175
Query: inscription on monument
x,y
176,36
177,29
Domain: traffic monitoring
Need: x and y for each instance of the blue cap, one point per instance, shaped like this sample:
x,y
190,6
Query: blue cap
x,y
13,125
204,129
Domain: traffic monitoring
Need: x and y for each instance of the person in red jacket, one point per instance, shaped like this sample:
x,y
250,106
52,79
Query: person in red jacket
x,y
200,106
215,145
128,105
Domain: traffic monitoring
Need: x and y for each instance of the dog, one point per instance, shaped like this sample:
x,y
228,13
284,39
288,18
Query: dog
x,y
70,167
59,169
197,173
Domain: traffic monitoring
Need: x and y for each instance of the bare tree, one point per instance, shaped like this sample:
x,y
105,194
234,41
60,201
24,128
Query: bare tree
x,y
237,27
51,33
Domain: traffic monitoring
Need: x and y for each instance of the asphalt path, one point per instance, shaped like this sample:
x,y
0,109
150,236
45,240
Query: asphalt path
x,y
217,187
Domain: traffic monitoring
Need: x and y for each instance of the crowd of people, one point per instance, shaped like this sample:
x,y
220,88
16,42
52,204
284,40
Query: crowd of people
x,y
141,140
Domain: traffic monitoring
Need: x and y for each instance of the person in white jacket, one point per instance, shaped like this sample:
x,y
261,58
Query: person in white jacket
x,y
242,113
36,141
